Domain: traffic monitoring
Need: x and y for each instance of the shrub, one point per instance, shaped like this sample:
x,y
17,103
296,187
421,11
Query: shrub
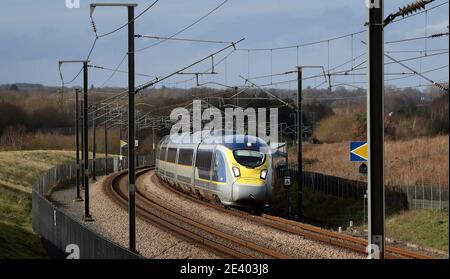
x,y
11,115
335,128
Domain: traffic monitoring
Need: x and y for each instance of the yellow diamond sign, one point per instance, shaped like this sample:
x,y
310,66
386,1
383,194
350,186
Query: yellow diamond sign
x,y
123,143
359,151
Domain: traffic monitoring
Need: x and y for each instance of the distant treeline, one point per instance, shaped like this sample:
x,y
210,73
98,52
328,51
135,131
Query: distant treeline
x,y
328,116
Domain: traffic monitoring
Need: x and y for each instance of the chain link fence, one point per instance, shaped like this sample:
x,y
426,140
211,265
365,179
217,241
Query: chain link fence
x,y
405,197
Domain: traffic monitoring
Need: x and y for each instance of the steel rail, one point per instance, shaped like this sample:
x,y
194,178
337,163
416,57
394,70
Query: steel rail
x,y
337,239
146,208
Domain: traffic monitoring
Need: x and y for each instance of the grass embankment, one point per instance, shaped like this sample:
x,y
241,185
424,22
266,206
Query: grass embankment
x,y
18,171
422,161
427,228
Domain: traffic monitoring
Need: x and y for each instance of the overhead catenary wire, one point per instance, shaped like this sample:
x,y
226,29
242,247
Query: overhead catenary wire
x,y
417,51
81,69
162,41
119,71
205,71
183,39
124,25
303,44
344,72
101,36
330,70
420,12
392,62
409,75
116,70
185,28
438,85
433,36
400,62
157,80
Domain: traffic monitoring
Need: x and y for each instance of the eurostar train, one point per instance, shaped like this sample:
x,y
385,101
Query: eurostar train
x,y
236,172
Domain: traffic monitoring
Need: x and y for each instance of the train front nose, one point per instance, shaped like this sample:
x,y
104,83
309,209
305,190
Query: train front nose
x,y
250,192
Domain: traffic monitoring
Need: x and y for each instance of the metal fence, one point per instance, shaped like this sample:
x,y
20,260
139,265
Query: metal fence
x,y
62,230
404,197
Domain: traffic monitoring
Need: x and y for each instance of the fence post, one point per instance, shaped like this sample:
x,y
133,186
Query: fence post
x,y
423,196
407,197
440,194
431,195
415,196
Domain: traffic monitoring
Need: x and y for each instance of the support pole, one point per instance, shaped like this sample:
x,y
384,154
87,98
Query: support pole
x,y
120,138
77,142
106,141
94,144
131,133
82,143
87,214
375,129
153,143
299,147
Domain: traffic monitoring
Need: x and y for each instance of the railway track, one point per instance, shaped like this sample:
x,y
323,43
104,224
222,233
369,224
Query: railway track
x,y
329,237
160,215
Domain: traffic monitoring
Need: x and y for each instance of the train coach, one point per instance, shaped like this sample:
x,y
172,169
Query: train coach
x,y
236,172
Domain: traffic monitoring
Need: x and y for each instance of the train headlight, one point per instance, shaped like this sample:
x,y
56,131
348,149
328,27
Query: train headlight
x,y
236,171
263,174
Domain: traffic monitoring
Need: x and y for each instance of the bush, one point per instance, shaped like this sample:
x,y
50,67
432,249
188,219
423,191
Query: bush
x,y
49,117
335,128
11,115
13,137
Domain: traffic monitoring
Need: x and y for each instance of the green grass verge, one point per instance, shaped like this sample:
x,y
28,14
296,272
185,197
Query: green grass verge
x,y
17,240
428,228
18,171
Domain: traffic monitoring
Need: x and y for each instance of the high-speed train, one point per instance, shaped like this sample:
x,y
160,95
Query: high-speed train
x,y
234,172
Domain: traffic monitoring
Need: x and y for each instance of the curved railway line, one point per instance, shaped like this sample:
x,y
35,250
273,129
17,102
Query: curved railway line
x,y
152,208
157,213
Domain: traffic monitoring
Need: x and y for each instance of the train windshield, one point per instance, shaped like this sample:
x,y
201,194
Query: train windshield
x,y
249,158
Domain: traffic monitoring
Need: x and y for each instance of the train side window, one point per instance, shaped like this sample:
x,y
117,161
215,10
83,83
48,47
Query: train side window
x,y
219,172
185,157
162,153
203,163
171,155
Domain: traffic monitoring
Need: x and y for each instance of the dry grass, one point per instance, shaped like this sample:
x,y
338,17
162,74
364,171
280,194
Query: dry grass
x,y
20,169
335,128
422,161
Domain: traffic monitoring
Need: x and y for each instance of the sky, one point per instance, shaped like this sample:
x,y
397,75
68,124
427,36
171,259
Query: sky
x,y
35,35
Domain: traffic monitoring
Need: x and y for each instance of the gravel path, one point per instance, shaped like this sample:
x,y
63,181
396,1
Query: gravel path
x,y
289,244
111,221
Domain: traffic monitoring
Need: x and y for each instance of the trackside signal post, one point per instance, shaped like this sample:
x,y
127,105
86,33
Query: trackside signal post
x,y
131,120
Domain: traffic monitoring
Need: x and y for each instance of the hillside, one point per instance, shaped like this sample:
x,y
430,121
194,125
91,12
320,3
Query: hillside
x,y
18,171
413,162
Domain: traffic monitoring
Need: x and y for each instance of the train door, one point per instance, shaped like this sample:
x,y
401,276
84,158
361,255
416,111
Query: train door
x,y
185,165
203,165
219,173
170,162
162,160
